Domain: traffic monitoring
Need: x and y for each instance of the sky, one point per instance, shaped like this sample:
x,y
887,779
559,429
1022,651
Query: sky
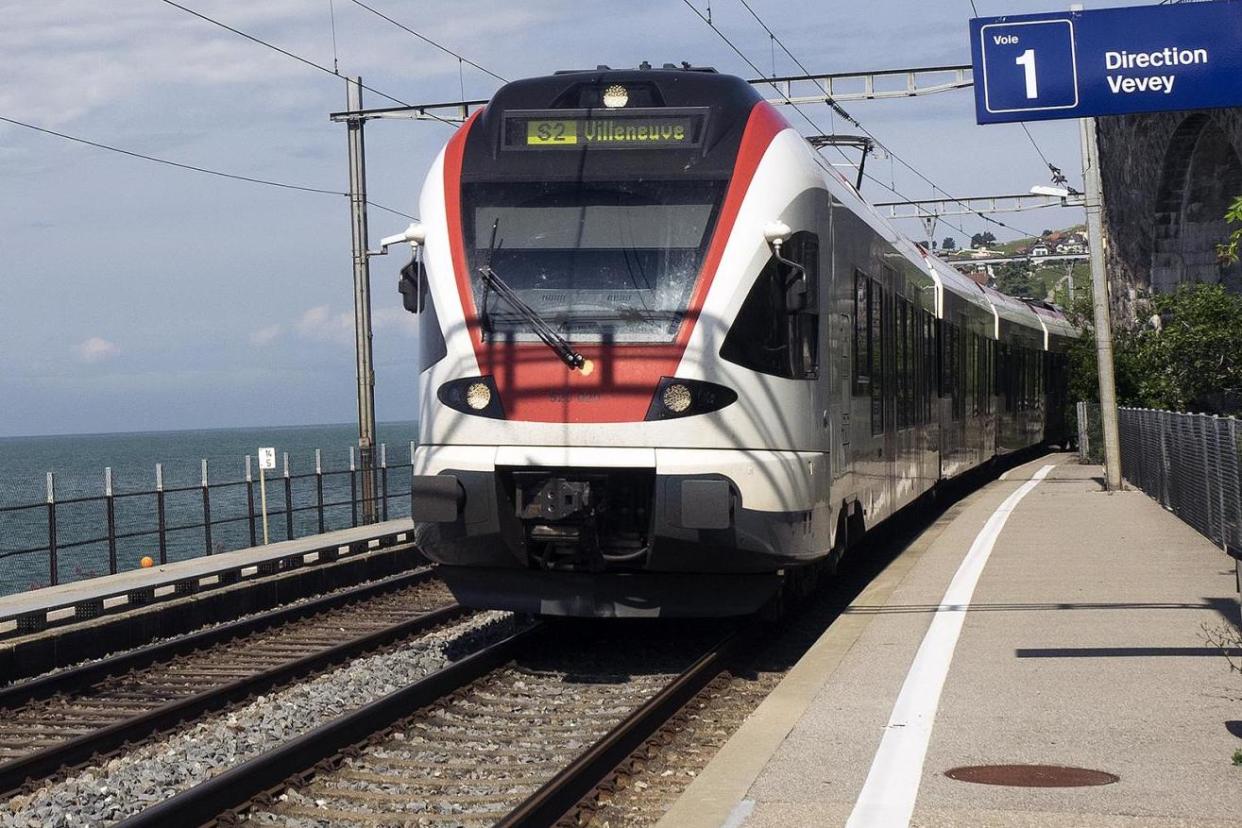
x,y
135,296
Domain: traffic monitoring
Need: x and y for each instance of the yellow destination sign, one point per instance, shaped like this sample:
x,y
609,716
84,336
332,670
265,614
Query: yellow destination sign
x,y
633,132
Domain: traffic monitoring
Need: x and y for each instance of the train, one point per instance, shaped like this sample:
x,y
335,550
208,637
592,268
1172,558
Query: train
x,y
672,362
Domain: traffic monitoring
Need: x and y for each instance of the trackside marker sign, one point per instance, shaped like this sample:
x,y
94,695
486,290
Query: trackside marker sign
x,y
1107,61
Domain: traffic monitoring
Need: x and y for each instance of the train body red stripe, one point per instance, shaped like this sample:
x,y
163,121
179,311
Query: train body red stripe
x,y
533,383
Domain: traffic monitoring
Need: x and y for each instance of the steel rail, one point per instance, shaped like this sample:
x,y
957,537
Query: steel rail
x,y
268,772
34,766
87,674
558,796
237,785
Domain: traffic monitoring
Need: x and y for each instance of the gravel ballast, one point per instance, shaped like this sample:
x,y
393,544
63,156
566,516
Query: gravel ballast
x,y
153,772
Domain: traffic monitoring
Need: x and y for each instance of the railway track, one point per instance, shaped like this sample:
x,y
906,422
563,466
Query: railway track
x,y
513,735
72,716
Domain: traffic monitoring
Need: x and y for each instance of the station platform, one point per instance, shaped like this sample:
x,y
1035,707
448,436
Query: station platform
x,y
55,626
1039,621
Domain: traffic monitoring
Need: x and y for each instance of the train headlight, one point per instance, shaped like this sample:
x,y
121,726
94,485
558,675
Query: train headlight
x,y
472,395
684,398
616,96
676,398
478,396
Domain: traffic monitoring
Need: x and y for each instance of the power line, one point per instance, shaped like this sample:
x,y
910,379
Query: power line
x,y
332,20
296,57
836,107
773,38
869,133
1058,177
428,41
193,168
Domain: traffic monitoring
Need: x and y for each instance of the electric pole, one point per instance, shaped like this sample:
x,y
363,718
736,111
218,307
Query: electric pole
x,y
362,298
1094,197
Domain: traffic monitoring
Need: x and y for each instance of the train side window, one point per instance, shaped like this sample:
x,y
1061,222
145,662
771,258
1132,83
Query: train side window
x,y
944,361
957,353
768,336
804,321
917,330
862,333
879,352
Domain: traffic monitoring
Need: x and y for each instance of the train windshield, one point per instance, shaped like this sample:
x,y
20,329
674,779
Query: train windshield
x,y
598,261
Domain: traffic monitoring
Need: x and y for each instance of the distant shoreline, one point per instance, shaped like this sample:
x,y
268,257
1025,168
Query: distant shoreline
x,y
346,424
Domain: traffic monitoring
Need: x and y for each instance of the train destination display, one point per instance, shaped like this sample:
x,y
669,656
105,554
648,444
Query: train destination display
x,y
1107,61
607,131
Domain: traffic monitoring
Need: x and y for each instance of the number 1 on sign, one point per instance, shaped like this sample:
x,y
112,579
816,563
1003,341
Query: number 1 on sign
x,y
1027,62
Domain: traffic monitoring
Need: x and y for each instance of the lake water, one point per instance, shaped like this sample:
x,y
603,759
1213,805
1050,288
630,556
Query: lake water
x,y
78,463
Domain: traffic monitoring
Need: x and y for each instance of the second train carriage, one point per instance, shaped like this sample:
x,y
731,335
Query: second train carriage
x,y
670,357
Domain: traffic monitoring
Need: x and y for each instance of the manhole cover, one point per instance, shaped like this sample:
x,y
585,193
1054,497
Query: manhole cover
x,y
1031,776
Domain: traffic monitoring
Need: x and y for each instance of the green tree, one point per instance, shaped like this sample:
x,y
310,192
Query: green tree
x,y
1229,250
1015,279
949,243
1193,360
1186,357
982,239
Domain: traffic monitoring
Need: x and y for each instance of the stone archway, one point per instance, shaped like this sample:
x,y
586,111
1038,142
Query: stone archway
x,y
1200,177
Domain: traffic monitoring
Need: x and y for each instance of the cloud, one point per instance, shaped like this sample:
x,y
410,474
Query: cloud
x,y
397,319
97,349
264,336
322,325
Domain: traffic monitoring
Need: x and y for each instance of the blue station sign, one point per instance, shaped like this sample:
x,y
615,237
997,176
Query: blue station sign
x,y
1078,64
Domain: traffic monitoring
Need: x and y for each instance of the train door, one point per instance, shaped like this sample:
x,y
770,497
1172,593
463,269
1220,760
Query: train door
x,y
888,326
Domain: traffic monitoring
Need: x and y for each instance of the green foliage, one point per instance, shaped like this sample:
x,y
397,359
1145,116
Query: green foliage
x,y
1016,279
1190,361
1228,251
949,243
1237,757
982,239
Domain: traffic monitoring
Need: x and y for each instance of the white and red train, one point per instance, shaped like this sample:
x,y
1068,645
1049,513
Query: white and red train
x,y
671,360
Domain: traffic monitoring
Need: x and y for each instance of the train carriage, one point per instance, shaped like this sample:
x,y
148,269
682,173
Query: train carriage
x,y
670,358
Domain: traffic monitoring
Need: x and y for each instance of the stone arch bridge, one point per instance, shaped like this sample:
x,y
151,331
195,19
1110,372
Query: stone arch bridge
x,y
1168,179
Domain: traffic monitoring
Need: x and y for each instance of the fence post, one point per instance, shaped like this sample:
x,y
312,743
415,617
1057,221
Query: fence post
x,y
1219,433
159,512
1235,449
254,541
319,486
288,500
383,481
206,509
110,509
1084,433
53,569
353,489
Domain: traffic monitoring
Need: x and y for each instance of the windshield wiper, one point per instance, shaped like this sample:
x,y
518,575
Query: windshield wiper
x,y
546,333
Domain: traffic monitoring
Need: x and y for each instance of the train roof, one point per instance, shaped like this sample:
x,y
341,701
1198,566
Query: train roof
x,y
955,282
1057,327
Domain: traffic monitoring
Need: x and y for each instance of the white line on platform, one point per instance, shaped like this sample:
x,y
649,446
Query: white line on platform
x,y
892,786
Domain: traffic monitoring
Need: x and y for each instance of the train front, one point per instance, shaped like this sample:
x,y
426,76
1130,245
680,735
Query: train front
x,y
582,448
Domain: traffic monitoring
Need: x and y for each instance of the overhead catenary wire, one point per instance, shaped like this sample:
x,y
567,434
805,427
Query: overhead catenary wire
x,y
267,182
837,108
869,133
429,41
294,56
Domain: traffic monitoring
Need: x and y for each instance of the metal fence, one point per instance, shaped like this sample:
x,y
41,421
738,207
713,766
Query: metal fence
x,y
1191,464
67,539
1090,432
